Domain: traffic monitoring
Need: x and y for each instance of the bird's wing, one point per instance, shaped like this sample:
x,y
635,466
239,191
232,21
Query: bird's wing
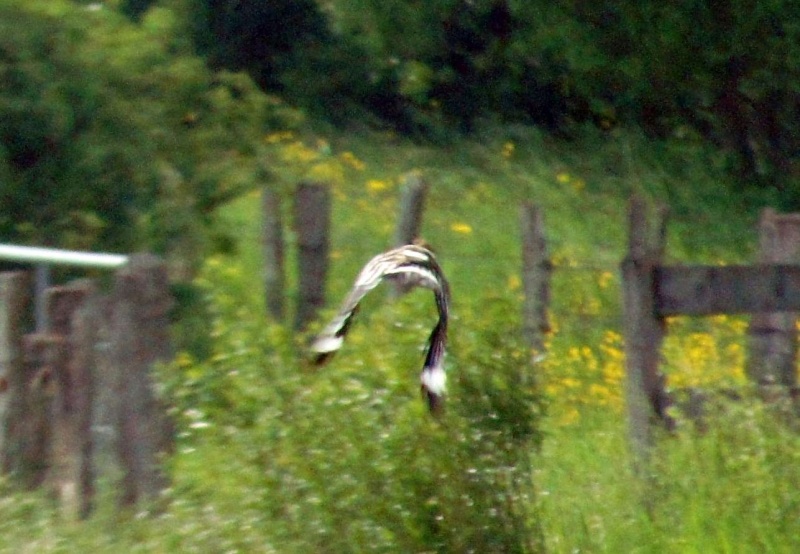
x,y
330,339
415,266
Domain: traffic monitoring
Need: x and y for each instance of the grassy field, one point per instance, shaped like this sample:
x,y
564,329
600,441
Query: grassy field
x,y
275,456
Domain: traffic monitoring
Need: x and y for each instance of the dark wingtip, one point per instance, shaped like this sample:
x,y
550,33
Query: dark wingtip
x,y
435,401
321,358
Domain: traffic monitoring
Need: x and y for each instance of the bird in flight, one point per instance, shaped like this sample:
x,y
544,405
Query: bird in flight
x,y
411,265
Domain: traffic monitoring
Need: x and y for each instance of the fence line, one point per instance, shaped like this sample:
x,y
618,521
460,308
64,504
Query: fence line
x,y
653,292
49,439
409,220
650,290
536,274
312,216
88,371
311,223
773,336
273,248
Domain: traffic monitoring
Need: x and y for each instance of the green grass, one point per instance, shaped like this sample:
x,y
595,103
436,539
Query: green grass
x,y
275,456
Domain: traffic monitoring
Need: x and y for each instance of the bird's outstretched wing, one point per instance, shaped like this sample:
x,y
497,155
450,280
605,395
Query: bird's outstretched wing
x,y
414,265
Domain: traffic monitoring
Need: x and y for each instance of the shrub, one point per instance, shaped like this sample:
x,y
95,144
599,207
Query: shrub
x,y
348,458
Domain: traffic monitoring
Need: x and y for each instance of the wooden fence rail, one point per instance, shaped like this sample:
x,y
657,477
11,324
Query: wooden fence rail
x,y
653,291
87,378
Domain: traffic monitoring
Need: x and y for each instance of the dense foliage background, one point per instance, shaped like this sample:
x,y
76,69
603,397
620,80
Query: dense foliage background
x,y
134,98
724,70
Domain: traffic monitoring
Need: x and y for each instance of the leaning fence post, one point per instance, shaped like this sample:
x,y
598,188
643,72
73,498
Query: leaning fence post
x,y
139,339
643,328
71,346
273,248
536,271
312,208
773,336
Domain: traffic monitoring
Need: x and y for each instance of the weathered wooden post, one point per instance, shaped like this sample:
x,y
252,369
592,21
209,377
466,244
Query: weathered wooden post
x,y
643,328
412,205
72,335
139,339
312,212
409,223
23,437
273,248
536,272
32,392
773,336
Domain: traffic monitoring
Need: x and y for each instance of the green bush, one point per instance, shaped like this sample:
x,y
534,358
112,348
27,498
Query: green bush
x,y
347,457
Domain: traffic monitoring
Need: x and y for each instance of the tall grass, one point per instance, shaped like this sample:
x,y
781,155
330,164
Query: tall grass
x,y
275,456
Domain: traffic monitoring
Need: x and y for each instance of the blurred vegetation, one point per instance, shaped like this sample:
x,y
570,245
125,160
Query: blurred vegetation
x,y
136,124
123,125
346,459
726,71
114,136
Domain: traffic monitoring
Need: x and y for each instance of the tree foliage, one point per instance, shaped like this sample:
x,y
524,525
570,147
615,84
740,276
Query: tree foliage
x,y
726,70
723,71
113,135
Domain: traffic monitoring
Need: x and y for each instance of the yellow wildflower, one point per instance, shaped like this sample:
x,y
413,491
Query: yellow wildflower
x,y
461,228
377,185
279,136
327,172
348,158
605,279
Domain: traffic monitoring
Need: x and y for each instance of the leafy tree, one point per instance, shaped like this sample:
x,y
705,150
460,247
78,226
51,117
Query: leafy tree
x,y
288,48
113,136
724,70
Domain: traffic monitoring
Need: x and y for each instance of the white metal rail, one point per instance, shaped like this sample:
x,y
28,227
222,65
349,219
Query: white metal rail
x,y
52,256
43,258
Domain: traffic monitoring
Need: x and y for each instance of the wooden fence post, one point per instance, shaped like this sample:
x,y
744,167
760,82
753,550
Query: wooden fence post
x,y
412,205
409,223
32,392
536,271
312,209
773,336
22,447
643,328
72,335
273,248
139,336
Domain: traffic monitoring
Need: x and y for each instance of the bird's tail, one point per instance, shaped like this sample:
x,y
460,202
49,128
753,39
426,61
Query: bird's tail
x,y
432,388
433,378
